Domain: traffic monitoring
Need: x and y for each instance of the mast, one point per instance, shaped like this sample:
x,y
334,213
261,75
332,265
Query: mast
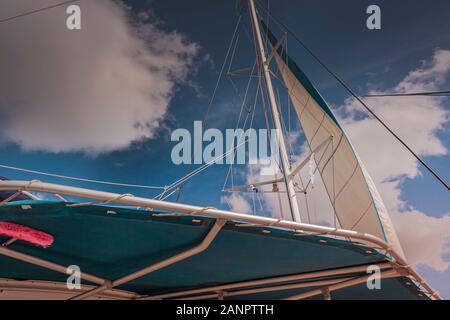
x,y
276,116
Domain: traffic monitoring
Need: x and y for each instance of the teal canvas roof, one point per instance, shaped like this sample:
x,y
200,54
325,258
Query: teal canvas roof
x,y
112,242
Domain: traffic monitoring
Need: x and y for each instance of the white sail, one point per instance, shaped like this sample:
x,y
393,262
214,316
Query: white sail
x,y
354,197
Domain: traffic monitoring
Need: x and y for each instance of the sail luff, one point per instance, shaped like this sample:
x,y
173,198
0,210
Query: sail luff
x,y
354,196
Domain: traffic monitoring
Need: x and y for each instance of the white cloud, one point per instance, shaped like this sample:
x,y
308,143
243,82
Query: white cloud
x,y
417,120
425,239
93,90
237,203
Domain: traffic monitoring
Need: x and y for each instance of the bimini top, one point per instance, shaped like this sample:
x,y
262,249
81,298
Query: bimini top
x,y
155,255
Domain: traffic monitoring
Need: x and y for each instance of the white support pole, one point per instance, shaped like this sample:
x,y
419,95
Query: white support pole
x,y
308,284
300,166
326,293
55,290
310,277
341,285
212,234
47,264
292,196
189,209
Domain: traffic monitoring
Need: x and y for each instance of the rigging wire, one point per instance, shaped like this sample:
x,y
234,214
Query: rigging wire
x,y
249,111
411,94
252,113
36,11
199,170
230,46
347,87
80,179
219,78
287,93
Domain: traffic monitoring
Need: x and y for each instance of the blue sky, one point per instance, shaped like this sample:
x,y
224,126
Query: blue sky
x,y
335,30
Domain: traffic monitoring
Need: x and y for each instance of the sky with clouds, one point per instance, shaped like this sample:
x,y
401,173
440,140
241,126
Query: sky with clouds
x,y
101,102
